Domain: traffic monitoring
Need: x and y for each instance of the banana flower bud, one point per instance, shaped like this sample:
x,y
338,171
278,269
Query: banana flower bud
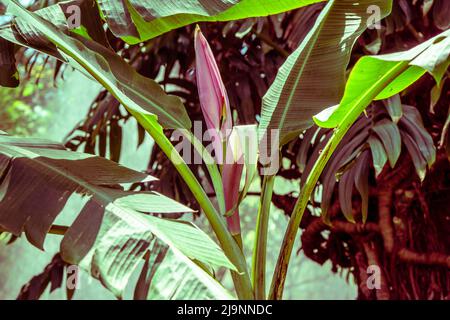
x,y
212,94
216,111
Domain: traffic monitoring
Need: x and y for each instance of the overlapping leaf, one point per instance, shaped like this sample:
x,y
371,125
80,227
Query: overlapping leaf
x,y
350,166
111,234
136,21
176,277
381,77
140,94
313,77
372,73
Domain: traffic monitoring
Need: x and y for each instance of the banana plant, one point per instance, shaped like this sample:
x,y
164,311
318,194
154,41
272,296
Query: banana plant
x,y
116,229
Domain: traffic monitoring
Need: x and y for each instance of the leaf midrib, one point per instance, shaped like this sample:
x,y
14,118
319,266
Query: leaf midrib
x,y
103,198
307,57
67,49
66,174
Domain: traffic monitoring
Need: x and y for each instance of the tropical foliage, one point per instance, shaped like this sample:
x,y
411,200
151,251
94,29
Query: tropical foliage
x,y
308,74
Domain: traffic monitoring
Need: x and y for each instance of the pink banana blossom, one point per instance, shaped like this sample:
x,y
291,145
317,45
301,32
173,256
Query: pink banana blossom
x,y
212,94
216,111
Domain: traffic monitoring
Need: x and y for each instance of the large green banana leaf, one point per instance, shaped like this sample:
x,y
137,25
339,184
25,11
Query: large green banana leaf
x,y
173,270
313,77
139,20
134,21
143,97
140,94
114,229
386,75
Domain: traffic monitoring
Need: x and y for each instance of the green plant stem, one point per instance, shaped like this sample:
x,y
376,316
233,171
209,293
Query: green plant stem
x,y
238,239
211,166
279,277
241,277
260,249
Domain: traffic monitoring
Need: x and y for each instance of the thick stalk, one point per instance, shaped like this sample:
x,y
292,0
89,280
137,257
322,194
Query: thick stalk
x,y
241,278
279,277
260,249
211,167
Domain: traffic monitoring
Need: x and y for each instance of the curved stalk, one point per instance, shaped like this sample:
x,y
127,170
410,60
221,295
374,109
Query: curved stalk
x,y
260,249
211,166
279,277
71,49
241,277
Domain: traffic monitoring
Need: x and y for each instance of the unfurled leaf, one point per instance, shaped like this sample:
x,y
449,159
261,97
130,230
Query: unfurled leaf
x,y
166,274
154,17
140,95
383,76
111,234
143,98
313,77
140,20
120,242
